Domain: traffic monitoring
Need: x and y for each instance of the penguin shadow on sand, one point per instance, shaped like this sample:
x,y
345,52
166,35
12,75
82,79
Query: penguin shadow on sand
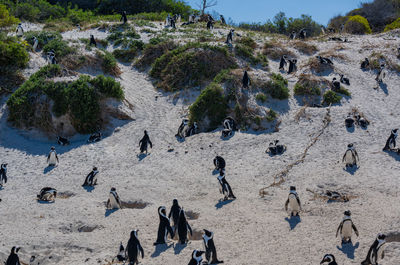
x,y
88,188
348,249
179,247
142,156
48,169
221,203
350,129
160,249
351,170
293,221
384,88
109,212
394,155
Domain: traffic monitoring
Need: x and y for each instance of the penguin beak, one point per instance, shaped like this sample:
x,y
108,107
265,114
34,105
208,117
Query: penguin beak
x,y
324,260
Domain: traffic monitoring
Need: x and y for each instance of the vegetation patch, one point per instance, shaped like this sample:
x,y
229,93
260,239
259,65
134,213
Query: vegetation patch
x,y
153,51
277,87
307,85
108,63
274,50
261,97
357,25
394,25
331,97
305,48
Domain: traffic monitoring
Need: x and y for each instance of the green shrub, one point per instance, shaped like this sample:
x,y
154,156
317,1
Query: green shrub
x,y
38,10
247,41
261,97
394,25
125,55
331,97
357,25
6,19
108,86
154,51
277,87
271,115
244,51
307,88
211,105
344,91
108,62
12,55
43,37
59,46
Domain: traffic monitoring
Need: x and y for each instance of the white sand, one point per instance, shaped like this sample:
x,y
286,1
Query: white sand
x,y
251,230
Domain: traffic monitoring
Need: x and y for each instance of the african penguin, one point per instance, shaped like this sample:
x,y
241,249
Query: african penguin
x,y
91,178
123,17
365,63
329,258
222,20
183,228
174,213
344,80
47,194
293,201
92,41
346,228
164,227
225,188
219,163
196,257
229,37
52,158
282,63
134,248
391,141
350,157
192,130
113,201
292,66
349,121
303,34
335,85
121,254
20,30
381,74
95,137
3,174
13,258
35,43
181,129
376,252
62,141
292,35
144,142
211,252
246,80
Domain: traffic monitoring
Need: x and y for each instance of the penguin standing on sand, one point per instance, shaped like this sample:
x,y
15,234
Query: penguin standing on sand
x,y
335,85
92,41
35,43
192,130
145,142
52,158
292,35
283,63
346,228
294,202
303,34
164,227
181,128
196,257
381,74
391,141
229,37
246,80
183,228
113,201
91,178
219,163
344,80
329,258
292,66
20,30
134,248
350,157
13,259
210,25
124,18
349,121
365,63
211,252
3,174
223,22
174,213
225,188
376,252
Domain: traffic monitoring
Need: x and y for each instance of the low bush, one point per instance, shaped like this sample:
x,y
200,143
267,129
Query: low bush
x,y
274,50
6,19
331,97
271,115
60,48
357,25
261,97
108,63
153,51
277,87
305,48
12,54
307,86
125,55
247,41
44,37
394,25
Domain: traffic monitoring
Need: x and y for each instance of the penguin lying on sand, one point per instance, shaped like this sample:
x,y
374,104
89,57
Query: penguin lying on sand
x,y
329,258
275,148
344,80
376,252
183,228
91,178
211,252
335,85
324,60
47,194
349,121
3,174
134,248
294,202
113,201
164,228
62,141
361,121
13,258
346,228
350,157
95,137
196,258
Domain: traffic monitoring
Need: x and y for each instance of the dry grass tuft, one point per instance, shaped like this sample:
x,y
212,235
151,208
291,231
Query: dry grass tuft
x,y
275,50
305,48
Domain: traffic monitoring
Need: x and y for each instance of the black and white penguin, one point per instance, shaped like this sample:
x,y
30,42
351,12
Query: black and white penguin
x,y
344,80
329,258
222,20
335,85
123,17
35,43
246,80
121,254
95,137
350,157
52,158
51,57
144,142
283,63
303,34
134,248
391,141
346,228
62,141
47,194
91,178
292,66
229,123
164,227
196,257
3,174
78,27
219,163
184,123
225,188
293,201
211,252
292,35
20,30
192,130
113,201
349,121
229,37
323,60
361,121
92,41
376,252
13,258
174,213
381,74
183,228
210,25
365,63
276,149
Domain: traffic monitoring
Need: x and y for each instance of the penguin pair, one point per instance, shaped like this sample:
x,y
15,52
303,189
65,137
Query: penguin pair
x,y
292,66
3,174
246,80
329,259
225,188
52,158
391,141
47,194
91,178
350,157
13,258
164,227
365,64
346,228
144,142
376,252
62,141
344,80
92,41
324,60
113,201
219,163
275,148
293,201
211,252
95,137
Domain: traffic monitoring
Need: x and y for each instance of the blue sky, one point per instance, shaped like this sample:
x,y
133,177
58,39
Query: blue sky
x,y
261,10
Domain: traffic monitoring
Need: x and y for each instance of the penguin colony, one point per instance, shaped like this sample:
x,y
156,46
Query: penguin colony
x,y
175,223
